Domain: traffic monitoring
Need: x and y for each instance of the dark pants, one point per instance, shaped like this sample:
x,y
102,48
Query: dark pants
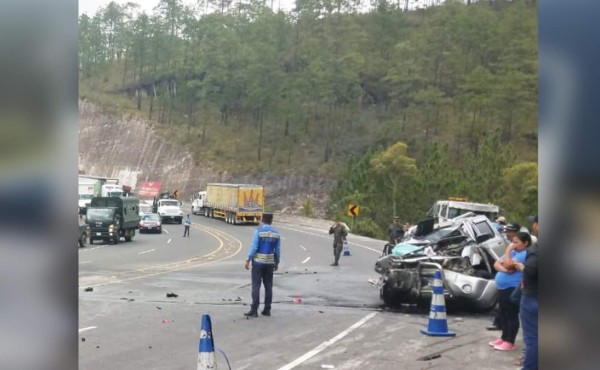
x,y
529,320
264,273
337,251
186,231
509,318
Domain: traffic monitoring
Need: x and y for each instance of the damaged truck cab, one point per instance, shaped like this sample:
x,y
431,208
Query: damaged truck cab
x,y
463,250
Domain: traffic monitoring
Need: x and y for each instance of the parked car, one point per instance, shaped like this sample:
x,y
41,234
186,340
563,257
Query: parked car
x,y
464,250
150,222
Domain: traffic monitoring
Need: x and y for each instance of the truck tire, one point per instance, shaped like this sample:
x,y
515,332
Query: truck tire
x,y
91,240
129,235
82,241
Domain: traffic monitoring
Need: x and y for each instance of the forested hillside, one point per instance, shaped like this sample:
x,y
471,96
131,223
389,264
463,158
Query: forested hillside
x,y
400,107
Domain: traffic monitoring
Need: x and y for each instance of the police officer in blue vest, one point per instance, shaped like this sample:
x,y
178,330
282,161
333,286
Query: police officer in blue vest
x,y
265,255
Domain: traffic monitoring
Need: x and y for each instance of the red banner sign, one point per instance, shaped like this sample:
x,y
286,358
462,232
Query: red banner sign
x,y
149,189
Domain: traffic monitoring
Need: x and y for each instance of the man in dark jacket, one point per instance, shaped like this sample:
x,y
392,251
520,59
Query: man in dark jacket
x,y
339,234
529,303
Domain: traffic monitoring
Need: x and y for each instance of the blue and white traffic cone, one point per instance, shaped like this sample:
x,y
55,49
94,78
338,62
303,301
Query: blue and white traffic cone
x,y
346,248
438,325
206,350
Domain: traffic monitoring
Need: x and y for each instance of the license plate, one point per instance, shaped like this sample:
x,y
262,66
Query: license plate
x,y
98,234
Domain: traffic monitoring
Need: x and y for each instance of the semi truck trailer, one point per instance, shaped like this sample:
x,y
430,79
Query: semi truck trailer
x,y
234,203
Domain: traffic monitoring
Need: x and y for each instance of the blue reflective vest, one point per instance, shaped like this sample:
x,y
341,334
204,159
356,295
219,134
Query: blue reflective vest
x,y
265,248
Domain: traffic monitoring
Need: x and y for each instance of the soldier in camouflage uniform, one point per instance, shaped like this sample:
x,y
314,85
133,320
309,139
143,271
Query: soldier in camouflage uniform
x,y
339,234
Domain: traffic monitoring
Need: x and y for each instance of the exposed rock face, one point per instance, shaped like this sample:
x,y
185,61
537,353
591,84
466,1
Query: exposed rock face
x,y
127,148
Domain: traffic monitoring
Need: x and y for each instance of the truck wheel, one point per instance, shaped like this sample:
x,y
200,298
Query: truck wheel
x,y
129,235
228,218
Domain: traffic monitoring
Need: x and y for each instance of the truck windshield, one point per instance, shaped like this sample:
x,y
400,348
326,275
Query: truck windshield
x,y
169,203
100,214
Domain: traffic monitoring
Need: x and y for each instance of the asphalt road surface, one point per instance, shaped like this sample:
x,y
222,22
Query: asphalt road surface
x,y
322,316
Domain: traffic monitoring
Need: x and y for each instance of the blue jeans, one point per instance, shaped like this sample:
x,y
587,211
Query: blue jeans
x,y
529,322
262,273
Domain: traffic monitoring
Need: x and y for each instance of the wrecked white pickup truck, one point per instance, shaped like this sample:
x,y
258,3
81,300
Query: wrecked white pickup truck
x,y
464,249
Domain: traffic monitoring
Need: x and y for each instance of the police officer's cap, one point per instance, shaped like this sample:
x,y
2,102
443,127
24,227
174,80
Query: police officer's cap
x,y
267,217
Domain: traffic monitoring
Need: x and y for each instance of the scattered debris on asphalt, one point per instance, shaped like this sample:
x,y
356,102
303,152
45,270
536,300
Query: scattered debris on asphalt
x,y
160,308
172,295
88,289
320,311
83,339
432,356
238,299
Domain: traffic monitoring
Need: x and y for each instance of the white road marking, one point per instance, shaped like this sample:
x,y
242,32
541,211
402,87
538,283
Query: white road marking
x,y
82,262
168,241
88,328
328,237
301,246
151,250
165,230
306,260
326,344
91,249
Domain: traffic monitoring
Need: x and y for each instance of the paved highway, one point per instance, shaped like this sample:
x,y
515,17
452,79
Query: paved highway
x,y
321,315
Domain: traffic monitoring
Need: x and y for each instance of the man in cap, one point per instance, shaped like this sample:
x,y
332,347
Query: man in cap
x,y
265,255
339,234
529,302
395,230
500,224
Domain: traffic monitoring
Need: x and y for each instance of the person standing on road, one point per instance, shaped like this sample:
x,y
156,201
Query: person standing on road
x,y
265,254
529,303
395,230
510,231
186,224
339,235
508,279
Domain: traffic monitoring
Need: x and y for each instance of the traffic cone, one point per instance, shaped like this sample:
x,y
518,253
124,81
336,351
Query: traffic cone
x,y
206,350
438,325
346,249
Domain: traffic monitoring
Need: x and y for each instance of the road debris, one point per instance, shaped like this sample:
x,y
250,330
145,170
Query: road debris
x,y
297,300
83,339
432,356
172,295
160,308
238,299
88,289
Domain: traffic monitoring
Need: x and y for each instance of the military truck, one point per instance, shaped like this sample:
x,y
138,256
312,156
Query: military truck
x,y
111,218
